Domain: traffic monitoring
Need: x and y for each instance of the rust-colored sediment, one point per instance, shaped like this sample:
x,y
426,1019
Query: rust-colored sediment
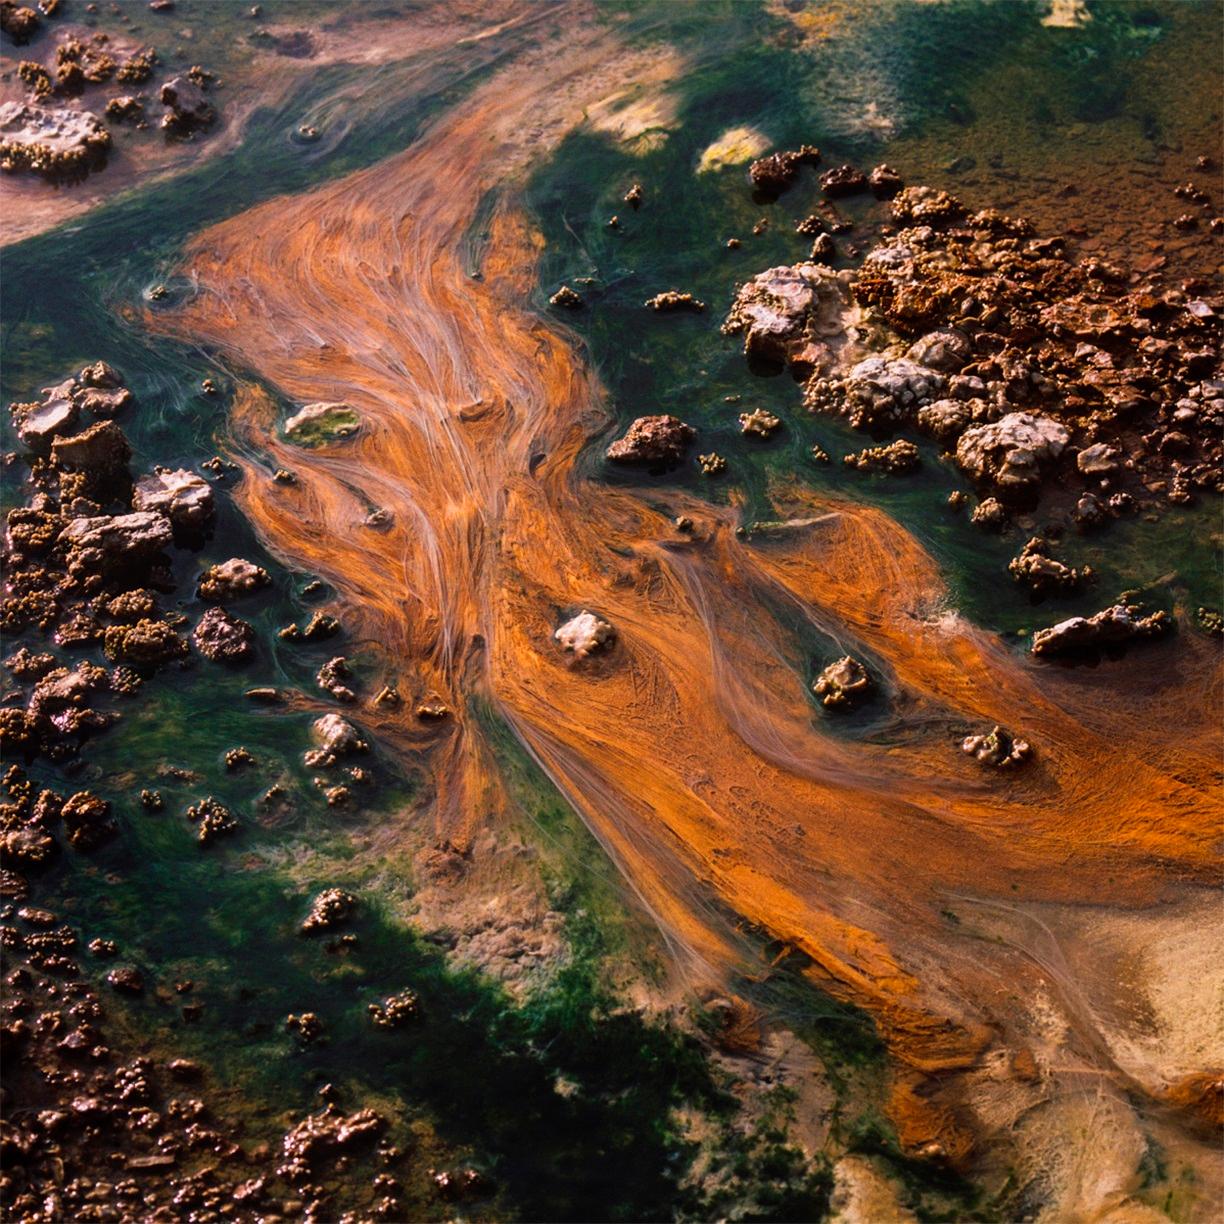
x,y
693,750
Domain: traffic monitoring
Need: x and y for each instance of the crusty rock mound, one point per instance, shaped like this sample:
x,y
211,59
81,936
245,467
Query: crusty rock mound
x,y
759,423
337,735
55,143
1011,454
800,314
101,448
1114,626
569,298
584,634
772,175
672,300
231,579
115,543
187,109
1043,574
997,748
223,638
147,641
183,497
843,181
660,440
842,684
328,910
898,458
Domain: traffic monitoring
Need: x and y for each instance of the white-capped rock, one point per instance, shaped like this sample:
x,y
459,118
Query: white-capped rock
x,y
584,634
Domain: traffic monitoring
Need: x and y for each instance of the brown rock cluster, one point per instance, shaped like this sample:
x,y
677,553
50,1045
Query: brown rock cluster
x,y
842,685
1026,364
92,1132
63,143
772,175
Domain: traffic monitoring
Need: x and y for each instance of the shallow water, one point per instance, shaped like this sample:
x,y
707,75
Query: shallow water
x,y
945,82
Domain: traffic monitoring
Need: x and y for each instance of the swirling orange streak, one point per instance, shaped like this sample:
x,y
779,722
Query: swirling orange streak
x,y
693,749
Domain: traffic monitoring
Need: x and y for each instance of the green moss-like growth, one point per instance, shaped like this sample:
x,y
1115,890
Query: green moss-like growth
x,y
319,424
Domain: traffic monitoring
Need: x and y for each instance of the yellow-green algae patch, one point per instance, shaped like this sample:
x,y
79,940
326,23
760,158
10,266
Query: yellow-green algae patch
x,y
734,147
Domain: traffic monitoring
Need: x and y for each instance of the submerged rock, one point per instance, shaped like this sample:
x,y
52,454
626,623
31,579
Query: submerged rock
x,y
671,300
658,440
1114,626
842,684
584,634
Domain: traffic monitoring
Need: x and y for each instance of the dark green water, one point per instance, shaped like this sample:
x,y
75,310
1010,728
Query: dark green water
x,y
480,1068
